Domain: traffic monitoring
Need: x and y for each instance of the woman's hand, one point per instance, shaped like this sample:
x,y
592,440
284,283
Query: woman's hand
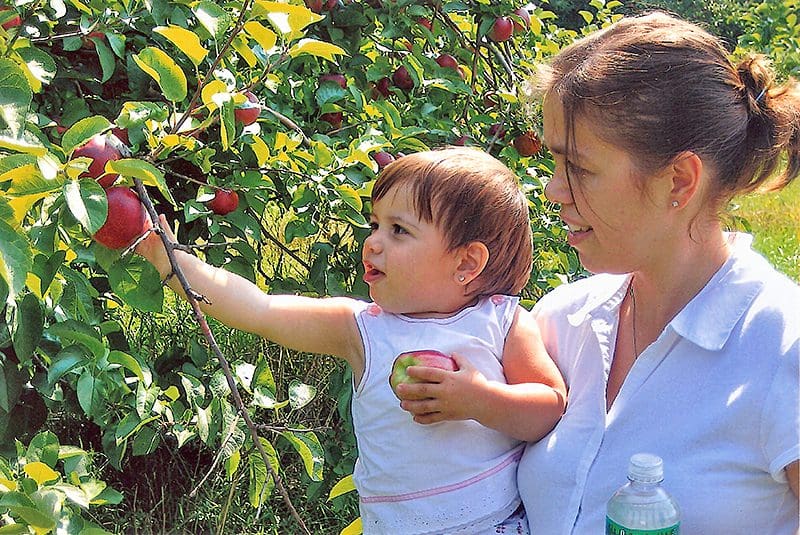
x,y
442,395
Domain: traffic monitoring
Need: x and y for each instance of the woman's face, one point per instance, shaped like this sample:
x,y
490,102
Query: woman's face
x,y
615,222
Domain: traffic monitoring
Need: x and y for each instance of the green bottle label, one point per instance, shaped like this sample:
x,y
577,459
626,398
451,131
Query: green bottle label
x,y
612,528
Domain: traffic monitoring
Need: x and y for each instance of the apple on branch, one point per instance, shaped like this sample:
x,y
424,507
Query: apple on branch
x,y
383,159
402,79
501,30
126,220
527,143
423,357
335,78
101,149
247,113
224,202
333,118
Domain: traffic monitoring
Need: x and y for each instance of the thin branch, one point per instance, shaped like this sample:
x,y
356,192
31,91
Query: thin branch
x,y
280,245
192,298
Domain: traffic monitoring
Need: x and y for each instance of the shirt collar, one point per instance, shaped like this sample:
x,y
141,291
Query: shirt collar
x,y
709,318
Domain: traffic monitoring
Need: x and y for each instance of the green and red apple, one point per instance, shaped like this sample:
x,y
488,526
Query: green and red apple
x,y
423,357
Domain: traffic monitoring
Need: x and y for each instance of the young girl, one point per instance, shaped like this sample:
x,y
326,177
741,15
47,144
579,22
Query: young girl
x,y
450,245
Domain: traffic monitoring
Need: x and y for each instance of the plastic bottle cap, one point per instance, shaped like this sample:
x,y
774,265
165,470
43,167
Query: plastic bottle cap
x,y
646,468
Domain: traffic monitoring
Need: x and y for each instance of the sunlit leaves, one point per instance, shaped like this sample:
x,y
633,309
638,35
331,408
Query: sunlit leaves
x,y
165,71
313,47
187,42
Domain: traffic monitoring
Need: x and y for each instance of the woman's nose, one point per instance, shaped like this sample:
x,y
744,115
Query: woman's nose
x,y
557,189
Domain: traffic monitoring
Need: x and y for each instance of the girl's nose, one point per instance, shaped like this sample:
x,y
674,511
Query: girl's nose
x,y
557,189
372,244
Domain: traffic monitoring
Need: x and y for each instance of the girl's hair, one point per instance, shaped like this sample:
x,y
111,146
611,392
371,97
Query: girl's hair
x,y
656,86
469,196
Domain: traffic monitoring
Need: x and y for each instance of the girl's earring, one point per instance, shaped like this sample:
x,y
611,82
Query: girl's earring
x,y
675,204
461,278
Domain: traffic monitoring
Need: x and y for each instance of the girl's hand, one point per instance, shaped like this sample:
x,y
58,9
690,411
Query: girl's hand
x,y
442,395
152,249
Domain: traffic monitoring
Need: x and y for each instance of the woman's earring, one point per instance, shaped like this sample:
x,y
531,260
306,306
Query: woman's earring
x,y
461,278
675,204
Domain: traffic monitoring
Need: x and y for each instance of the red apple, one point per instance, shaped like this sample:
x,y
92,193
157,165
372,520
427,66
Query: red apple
x,y
447,61
422,21
318,6
122,135
402,79
333,118
424,357
497,130
383,159
224,202
522,20
87,40
527,143
382,88
126,219
248,112
101,150
460,141
334,77
13,22
501,30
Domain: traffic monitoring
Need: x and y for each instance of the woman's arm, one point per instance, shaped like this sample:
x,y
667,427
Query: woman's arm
x,y
793,474
527,408
314,325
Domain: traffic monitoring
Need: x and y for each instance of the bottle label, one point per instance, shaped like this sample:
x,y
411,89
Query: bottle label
x,y
612,528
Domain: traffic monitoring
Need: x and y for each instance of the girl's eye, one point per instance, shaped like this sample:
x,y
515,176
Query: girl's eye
x,y
397,229
373,226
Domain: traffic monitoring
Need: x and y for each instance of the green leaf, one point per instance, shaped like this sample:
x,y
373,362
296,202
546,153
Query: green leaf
x,y
46,268
138,283
213,18
343,486
260,482
300,394
87,202
11,382
40,65
106,57
187,42
163,70
35,518
43,447
311,452
30,325
313,47
15,97
83,131
89,393
67,359
146,442
75,332
16,258
130,363
145,171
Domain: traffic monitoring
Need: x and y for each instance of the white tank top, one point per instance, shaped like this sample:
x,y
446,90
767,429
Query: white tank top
x,y
448,477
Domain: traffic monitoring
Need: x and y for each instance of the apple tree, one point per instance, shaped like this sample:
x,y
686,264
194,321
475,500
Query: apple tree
x,y
256,128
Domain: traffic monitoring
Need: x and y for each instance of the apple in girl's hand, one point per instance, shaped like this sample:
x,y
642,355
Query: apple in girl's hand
x,y
423,357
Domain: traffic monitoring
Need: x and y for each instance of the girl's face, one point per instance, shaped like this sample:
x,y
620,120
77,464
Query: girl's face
x,y
406,262
613,213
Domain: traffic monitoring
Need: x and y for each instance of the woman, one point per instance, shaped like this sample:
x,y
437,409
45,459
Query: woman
x,y
685,343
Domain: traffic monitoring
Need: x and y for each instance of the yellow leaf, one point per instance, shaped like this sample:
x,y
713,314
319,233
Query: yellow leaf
x,y
359,156
209,90
40,472
288,19
260,149
343,486
241,46
171,140
186,41
22,145
264,36
7,483
34,284
22,204
313,47
354,528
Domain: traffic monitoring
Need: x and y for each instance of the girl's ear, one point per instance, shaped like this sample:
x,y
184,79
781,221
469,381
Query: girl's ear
x,y
472,260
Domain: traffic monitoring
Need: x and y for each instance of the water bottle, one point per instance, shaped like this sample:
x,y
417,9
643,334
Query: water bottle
x,y
642,506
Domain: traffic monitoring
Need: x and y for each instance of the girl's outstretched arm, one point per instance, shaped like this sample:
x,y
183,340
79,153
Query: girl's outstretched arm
x,y
313,325
527,408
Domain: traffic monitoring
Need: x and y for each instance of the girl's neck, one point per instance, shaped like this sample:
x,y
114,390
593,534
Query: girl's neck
x,y
447,312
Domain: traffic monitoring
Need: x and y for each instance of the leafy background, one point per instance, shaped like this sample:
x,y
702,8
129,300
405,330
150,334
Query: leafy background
x,y
116,414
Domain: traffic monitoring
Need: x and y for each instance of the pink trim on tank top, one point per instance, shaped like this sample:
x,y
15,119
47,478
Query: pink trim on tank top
x,y
516,456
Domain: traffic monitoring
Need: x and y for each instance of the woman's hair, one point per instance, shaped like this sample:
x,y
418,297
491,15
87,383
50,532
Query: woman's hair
x,y
656,86
470,196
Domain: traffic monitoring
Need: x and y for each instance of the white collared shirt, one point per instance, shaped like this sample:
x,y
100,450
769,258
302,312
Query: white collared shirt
x,y
716,396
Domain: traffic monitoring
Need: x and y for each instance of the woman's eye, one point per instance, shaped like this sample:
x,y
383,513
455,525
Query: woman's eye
x,y
574,170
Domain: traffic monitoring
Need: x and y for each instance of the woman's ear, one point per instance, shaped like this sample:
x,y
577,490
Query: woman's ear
x,y
472,260
686,179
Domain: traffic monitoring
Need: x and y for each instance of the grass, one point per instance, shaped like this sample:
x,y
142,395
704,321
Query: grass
x,y
774,221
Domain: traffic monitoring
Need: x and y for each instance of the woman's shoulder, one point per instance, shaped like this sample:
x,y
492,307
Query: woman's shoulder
x,y
590,291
